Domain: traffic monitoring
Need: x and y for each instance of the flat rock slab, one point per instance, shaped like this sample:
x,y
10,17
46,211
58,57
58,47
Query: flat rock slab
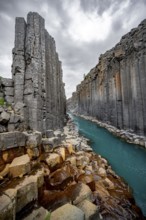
x,y
20,166
12,139
67,212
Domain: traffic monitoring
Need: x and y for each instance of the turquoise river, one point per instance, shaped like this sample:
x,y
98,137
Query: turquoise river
x,y
127,160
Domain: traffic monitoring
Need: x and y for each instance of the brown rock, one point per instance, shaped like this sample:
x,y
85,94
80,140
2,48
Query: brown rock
x,y
20,166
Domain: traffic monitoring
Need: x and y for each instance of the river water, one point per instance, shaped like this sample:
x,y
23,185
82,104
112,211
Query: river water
x,y
127,160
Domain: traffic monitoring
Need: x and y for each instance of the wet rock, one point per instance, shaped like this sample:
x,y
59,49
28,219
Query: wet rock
x,y
67,212
91,211
20,166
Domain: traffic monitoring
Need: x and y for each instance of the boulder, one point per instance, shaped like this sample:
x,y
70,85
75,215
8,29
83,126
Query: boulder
x,y
102,172
72,160
53,159
81,192
20,166
82,161
27,191
67,212
90,210
61,152
34,139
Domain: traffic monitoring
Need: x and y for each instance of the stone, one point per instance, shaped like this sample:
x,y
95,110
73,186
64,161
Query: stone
x,y
49,133
102,172
82,161
61,152
38,214
4,117
33,152
27,191
53,159
20,166
84,192
91,211
34,139
67,212
7,82
7,208
72,160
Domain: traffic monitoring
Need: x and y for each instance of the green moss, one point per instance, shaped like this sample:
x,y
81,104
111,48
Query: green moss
x,y
48,216
2,101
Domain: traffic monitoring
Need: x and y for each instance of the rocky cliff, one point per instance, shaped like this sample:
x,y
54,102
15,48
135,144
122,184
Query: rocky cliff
x,y
37,88
114,90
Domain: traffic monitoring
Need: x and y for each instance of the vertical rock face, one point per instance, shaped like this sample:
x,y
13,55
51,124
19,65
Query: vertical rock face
x,y
37,75
115,90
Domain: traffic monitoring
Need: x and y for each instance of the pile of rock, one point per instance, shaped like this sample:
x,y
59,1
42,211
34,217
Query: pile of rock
x,y
62,182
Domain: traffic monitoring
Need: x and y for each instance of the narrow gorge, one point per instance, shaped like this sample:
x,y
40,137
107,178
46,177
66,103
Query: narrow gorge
x,y
48,170
114,90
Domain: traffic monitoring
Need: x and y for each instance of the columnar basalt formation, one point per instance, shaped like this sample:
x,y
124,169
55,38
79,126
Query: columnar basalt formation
x,y
37,75
114,91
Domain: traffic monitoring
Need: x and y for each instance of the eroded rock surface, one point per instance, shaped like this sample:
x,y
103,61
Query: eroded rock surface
x,y
114,90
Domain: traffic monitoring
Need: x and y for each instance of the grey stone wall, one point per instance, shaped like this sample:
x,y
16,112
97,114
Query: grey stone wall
x,y
37,75
114,91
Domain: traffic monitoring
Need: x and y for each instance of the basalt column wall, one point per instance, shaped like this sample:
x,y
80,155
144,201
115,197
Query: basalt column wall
x,y
115,90
37,75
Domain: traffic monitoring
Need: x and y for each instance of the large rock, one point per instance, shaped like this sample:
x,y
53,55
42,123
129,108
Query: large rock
x,y
27,191
81,192
53,159
20,166
34,140
90,210
67,212
12,139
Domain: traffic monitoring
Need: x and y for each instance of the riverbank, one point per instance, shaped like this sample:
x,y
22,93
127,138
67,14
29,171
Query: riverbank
x,y
123,134
66,180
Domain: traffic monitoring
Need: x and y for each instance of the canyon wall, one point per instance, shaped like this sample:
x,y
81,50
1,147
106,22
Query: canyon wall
x,y
37,75
114,91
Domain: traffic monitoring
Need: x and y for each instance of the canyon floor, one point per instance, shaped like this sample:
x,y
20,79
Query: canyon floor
x,y
65,180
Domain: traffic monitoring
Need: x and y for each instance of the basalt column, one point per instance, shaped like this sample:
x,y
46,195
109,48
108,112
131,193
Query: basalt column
x,y
114,91
37,75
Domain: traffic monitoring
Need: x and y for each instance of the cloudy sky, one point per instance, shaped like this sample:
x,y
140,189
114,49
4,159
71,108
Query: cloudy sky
x,y
83,29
